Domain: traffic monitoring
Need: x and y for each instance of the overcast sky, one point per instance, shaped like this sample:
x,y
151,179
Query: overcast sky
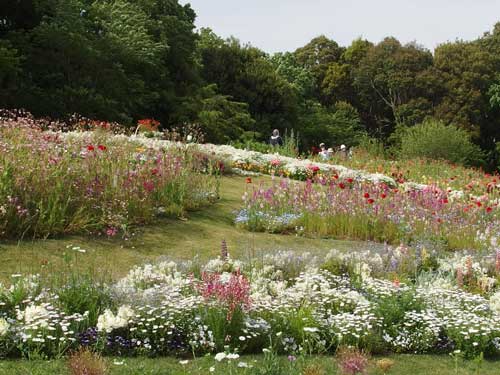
x,y
284,25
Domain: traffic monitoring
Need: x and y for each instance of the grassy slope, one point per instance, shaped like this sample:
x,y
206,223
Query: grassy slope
x,y
200,235
404,365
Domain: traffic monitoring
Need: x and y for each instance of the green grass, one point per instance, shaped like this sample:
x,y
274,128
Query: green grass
x,y
404,365
200,235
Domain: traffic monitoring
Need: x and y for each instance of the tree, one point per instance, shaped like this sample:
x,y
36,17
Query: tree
x,y
388,77
222,119
300,77
246,75
466,71
317,56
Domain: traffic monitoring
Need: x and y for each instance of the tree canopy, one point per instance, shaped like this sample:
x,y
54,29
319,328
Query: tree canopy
x,y
124,60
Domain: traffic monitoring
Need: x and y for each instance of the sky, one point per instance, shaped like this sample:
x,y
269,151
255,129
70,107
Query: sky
x,y
284,25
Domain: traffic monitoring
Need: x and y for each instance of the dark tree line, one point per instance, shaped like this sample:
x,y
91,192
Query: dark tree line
x,y
123,60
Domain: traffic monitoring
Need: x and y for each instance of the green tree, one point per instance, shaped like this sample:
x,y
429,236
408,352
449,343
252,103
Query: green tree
x,y
387,77
317,55
221,119
246,75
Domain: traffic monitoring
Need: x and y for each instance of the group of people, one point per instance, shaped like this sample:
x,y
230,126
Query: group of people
x,y
324,153
327,154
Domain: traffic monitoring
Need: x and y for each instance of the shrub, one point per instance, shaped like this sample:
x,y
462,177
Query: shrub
x,y
435,140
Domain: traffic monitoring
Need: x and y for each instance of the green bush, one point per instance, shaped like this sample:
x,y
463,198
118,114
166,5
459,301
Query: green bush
x,y
435,140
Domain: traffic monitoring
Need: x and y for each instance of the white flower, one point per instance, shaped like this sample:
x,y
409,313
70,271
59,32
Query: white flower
x,y
211,369
4,327
242,364
108,321
310,329
495,303
184,362
34,314
232,356
220,356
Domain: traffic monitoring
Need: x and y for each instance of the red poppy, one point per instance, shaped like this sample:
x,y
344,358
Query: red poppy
x,y
370,201
479,204
342,186
489,209
366,195
248,180
90,148
101,147
336,176
383,195
350,180
445,200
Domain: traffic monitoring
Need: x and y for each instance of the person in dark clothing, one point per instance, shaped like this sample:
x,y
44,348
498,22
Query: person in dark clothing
x,y
276,139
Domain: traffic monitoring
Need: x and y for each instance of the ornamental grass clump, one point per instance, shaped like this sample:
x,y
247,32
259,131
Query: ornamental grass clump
x,y
86,362
52,184
352,361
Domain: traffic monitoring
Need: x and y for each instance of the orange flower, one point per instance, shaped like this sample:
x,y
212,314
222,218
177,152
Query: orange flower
x,y
248,180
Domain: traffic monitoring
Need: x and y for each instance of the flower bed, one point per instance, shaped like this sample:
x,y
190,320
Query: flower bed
x,y
345,208
295,305
96,183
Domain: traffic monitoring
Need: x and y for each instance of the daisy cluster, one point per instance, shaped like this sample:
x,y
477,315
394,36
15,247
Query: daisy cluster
x,y
301,304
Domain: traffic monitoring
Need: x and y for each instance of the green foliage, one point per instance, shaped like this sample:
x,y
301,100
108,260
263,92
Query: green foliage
x,y
335,126
222,119
124,60
435,140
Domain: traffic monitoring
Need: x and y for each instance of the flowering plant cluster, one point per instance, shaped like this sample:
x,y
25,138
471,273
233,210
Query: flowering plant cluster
x,y
440,173
300,304
97,182
347,208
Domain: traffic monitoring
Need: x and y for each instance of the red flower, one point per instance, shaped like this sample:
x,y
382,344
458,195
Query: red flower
x,y
101,147
489,209
148,186
445,200
350,180
336,176
383,195
479,204
90,148
366,195
370,201
155,171
342,186
248,180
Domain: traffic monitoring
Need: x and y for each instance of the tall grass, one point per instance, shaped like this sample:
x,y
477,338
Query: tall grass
x,y
52,185
362,211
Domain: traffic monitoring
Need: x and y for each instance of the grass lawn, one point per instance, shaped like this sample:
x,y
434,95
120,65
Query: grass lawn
x,y
404,365
200,235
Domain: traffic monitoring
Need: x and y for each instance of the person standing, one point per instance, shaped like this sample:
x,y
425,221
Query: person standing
x,y
343,152
323,154
276,139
